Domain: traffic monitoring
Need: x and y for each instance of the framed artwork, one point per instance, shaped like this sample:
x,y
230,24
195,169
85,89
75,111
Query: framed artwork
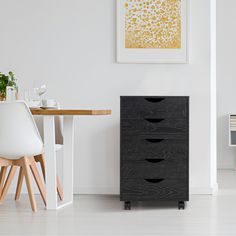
x,y
152,31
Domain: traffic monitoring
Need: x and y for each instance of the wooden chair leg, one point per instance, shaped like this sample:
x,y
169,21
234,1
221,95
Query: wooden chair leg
x,y
26,171
37,159
8,182
41,160
2,178
19,184
59,189
38,180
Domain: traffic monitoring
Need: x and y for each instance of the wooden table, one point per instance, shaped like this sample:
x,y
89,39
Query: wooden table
x,y
68,148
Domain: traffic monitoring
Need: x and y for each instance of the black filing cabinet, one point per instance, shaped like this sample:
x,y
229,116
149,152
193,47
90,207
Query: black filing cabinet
x,y
154,151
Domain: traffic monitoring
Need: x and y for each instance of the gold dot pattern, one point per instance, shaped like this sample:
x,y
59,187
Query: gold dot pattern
x,y
153,24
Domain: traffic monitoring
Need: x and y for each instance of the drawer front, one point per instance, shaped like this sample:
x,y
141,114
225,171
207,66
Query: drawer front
x,y
154,107
154,126
142,147
154,168
141,189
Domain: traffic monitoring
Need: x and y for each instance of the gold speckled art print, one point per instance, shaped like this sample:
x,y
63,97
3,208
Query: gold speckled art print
x,y
153,24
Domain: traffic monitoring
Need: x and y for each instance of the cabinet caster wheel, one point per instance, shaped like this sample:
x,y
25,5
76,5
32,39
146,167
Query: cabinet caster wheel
x,y
181,205
127,205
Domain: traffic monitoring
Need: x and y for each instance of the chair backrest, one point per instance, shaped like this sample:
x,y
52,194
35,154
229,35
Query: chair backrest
x,y
19,135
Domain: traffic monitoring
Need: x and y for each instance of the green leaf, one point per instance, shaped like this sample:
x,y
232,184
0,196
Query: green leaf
x,y
7,80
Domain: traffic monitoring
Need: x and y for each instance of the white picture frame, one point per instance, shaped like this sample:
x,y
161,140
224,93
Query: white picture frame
x,y
151,55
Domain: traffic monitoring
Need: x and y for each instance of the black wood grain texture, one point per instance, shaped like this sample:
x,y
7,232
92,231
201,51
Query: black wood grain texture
x,y
140,107
154,126
139,148
145,169
154,139
141,190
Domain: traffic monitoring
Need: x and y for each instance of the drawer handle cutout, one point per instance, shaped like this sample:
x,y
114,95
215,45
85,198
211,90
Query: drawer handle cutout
x,y
154,181
154,140
154,160
154,120
154,100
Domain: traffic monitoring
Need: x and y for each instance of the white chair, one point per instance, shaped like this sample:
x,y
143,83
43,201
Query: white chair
x,y
20,142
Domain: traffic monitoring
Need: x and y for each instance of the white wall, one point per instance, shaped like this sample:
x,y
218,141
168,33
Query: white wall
x,y
71,44
226,78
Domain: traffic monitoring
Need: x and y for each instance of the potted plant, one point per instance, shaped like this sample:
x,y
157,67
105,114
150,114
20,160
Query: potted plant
x,y
5,81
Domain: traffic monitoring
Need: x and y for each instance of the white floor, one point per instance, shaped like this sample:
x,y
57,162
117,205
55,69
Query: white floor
x,y
104,215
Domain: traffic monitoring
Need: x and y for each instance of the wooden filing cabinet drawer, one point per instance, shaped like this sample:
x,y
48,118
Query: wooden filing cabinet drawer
x,y
170,126
141,189
153,107
154,168
141,147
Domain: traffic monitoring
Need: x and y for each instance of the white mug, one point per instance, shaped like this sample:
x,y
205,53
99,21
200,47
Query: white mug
x,y
49,103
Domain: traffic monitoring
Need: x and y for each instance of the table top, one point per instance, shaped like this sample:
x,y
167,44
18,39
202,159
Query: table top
x,y
68,112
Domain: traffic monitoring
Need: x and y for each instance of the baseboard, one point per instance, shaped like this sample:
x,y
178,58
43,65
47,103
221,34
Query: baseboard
x,y
116,191
97,190
79,190
226,168
204,190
